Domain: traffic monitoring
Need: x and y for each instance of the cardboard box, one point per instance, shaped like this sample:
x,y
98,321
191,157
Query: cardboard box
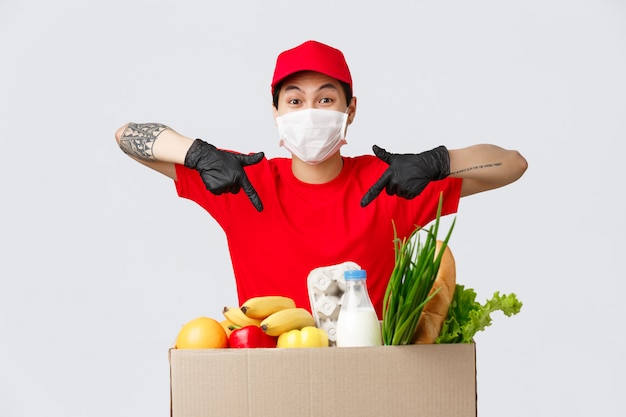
x,y
385,381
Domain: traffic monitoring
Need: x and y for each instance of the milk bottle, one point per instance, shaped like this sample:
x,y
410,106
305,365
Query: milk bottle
x,y
357,324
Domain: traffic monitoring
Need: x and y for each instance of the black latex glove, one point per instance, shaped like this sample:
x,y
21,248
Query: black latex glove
x,y
222,171
408,174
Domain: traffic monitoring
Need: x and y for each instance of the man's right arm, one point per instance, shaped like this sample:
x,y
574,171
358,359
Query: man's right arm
x,y
154,145
160,148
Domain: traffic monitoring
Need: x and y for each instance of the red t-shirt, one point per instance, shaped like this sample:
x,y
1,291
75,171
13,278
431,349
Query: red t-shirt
x,y
306,226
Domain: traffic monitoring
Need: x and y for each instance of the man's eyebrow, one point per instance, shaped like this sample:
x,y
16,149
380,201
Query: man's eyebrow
x,y
292,87
295,87
327,85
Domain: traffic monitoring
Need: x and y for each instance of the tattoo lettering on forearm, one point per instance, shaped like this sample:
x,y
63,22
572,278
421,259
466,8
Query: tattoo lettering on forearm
x,y
475,167
138,139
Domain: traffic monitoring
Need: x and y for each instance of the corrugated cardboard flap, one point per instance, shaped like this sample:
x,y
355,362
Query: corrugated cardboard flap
x,y
416,380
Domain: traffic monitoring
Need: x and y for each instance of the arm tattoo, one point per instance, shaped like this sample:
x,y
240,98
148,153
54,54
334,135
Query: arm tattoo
x,y
138,139
482,166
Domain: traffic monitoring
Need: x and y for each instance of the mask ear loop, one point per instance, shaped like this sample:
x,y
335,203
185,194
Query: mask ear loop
x,y
346,123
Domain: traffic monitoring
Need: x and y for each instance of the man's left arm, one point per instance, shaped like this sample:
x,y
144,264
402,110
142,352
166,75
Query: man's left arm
x,y
482,167
485,167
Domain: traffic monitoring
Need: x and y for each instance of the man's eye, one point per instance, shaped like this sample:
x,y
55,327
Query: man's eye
x,y
326,100
294,101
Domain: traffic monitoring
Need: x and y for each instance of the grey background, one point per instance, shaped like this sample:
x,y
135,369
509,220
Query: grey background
x,y
101,263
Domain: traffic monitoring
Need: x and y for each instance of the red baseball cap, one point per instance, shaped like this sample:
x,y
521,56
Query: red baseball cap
x,y
312,56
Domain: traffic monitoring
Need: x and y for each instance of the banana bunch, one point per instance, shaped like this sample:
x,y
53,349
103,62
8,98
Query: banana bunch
x,y
274,314
262,307
238,319
285,320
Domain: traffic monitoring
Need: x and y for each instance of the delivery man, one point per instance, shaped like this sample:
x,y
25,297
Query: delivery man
x,y
317,208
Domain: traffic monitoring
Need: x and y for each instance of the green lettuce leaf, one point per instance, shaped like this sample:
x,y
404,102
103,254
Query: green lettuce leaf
x,y
466,316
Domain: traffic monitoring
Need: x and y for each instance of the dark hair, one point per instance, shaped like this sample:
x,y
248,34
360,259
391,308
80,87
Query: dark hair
x,y
346,89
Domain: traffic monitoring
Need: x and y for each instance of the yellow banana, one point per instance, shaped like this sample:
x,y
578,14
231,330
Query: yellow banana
x,y
262,307
287,319
236,317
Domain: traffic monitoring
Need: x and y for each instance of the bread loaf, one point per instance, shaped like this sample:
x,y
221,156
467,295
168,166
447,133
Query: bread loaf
x,y
435,311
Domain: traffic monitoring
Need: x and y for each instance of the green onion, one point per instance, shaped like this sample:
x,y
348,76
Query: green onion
x,y
411,281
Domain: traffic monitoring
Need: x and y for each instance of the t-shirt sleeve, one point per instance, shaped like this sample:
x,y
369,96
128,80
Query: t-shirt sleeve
x,y
189,185
226,206
452,195
424,206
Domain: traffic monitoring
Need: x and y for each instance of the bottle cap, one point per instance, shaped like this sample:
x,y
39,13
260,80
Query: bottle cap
x,y
355,274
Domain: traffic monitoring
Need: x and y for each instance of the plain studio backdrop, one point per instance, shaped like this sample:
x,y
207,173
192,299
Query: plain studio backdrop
x,y
101,262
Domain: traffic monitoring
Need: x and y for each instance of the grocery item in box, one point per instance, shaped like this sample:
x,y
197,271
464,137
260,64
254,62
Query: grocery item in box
x,y
326,286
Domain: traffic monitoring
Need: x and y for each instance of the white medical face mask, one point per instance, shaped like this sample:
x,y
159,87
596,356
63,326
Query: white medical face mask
x,y
313,135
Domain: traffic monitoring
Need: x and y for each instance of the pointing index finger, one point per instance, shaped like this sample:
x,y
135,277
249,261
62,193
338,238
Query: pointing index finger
x,y
375,189
252,194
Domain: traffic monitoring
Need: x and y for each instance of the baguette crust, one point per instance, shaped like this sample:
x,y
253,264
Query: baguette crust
x,y
436,310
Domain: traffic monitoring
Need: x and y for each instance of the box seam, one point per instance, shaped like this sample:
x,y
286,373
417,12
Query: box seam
x,y
248,381
310,387
475,382
169,358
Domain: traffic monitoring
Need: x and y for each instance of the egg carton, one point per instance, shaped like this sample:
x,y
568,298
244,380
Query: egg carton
x,y
326,286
